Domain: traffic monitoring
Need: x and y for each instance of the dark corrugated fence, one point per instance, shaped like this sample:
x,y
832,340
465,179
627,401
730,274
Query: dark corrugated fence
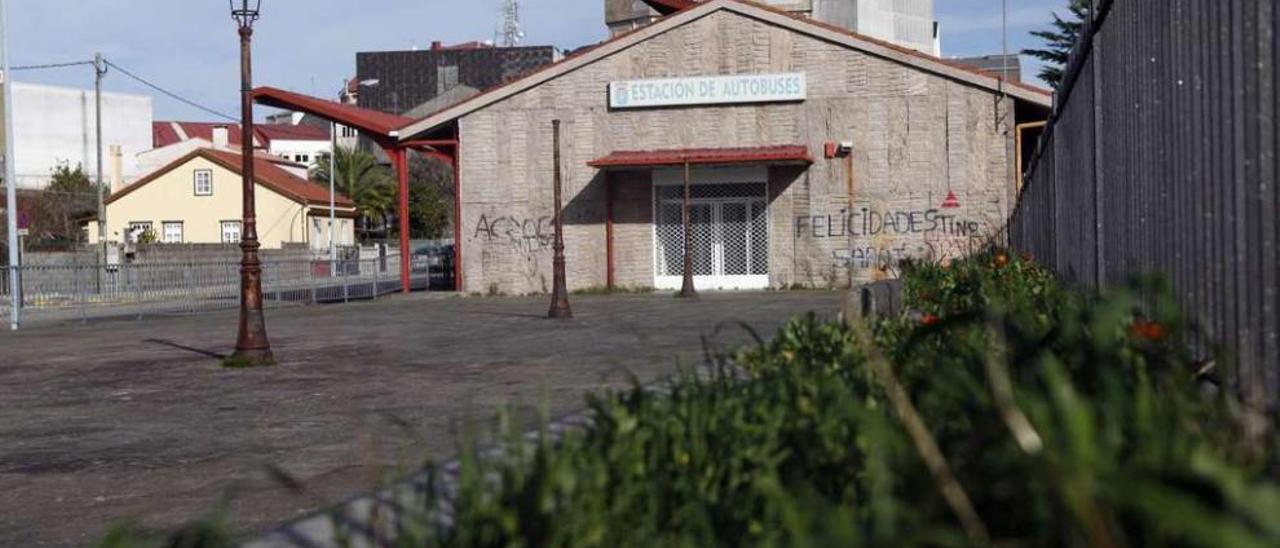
x,y
1161,157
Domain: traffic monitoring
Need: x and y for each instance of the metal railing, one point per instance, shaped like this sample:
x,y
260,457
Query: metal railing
x,y
83,292
1161,157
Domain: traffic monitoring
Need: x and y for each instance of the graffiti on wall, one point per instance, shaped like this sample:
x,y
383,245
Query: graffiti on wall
x,y
885,257
870,222
523,235
881,239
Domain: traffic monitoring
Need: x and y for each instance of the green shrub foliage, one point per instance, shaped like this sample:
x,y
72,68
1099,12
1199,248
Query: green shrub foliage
x,y
795,442
1068,420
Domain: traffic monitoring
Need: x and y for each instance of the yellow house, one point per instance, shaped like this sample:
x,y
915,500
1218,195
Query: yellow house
x,y
197,199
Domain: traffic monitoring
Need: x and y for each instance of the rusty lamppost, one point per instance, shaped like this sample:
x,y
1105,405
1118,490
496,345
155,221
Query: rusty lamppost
x,y
559,293
252,347
687,290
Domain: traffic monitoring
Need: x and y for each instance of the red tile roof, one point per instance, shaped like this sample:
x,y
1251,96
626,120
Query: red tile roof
x,y
272,176
165,134
781,154
265,171
368,121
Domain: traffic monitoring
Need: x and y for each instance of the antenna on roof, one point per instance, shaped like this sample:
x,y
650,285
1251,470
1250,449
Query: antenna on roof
x,y
509,32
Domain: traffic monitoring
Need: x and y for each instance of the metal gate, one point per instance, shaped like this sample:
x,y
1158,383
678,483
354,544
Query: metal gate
x,y
730,228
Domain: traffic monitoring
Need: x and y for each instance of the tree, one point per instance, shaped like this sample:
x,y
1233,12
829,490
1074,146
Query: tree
x,y
430,197
1059,41
369,184
58,211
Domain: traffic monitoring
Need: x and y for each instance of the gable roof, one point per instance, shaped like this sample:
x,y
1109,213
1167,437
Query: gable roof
x,y
265,172
165,133
794,22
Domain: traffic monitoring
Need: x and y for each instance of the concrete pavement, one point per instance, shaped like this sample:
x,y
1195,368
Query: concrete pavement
x,y
136,420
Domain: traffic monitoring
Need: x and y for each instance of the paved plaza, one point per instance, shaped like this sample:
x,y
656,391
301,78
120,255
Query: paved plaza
x,y
136,420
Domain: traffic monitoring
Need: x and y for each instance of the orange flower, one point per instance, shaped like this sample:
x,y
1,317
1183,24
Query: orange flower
x,y
1151,331
929,319
1002,260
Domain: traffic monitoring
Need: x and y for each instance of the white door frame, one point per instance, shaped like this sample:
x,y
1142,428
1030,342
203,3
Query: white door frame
x,y
713,176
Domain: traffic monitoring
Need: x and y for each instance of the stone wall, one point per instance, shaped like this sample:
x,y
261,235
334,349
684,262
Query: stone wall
x,y
917,137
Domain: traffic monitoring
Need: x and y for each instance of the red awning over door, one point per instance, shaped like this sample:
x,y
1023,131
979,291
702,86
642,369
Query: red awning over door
x,y
772,155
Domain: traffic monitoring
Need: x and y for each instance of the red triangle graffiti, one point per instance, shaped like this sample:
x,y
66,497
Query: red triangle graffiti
x,y
951,202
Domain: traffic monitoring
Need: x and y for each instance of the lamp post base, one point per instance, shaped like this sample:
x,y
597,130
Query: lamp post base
x,y
242,359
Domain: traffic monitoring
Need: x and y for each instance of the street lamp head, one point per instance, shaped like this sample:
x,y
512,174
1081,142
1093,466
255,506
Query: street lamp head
x,y
370,82
245,12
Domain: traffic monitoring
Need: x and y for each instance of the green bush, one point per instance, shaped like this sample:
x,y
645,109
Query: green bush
x,y
1004,409
1066,419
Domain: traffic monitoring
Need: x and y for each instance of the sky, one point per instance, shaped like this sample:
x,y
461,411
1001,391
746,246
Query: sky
x,y
190,47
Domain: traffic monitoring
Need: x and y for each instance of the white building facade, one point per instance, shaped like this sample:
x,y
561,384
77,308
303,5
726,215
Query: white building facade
x,y
57,126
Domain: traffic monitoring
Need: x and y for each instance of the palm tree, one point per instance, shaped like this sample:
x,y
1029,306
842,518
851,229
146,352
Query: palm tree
x,y
369,184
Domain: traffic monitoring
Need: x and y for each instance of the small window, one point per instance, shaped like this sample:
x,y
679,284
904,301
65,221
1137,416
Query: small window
x,y
230,232
204,182
172,232
137,229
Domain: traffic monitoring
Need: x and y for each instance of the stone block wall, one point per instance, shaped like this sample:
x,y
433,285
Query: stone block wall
x,y
917,137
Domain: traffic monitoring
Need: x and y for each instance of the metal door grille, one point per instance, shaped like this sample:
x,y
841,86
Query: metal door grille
x,y
729,226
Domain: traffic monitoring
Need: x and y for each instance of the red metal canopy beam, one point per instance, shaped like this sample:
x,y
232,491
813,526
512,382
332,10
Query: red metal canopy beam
x,y
375,124
668,7
378,126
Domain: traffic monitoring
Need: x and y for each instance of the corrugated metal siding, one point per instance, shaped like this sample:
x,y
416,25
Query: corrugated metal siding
x,y
1161,157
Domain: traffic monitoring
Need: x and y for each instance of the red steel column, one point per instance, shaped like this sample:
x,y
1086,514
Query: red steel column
x,y
457,216
401,159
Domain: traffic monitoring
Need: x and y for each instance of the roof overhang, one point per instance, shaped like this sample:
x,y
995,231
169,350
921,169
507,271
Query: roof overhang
x,y
767,155
372,123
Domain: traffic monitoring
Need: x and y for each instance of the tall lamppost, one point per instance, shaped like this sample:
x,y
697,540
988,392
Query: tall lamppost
x,y
559,293
252,347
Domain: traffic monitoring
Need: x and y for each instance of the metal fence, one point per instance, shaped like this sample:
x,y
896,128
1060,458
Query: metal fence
x,y
1161,158
83,292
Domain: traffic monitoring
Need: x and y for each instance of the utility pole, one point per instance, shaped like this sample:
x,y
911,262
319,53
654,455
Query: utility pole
x,y
10,173
333,174
99,70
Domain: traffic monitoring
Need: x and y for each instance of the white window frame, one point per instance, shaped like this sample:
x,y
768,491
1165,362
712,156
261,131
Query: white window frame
x,y
164,232
132,235
195,182
222,231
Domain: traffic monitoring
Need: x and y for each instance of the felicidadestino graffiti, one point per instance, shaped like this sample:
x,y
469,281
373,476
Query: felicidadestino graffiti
x,y
943,234
869,222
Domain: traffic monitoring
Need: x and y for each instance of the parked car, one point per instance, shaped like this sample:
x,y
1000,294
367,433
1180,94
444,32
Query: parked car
x,y
437,261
